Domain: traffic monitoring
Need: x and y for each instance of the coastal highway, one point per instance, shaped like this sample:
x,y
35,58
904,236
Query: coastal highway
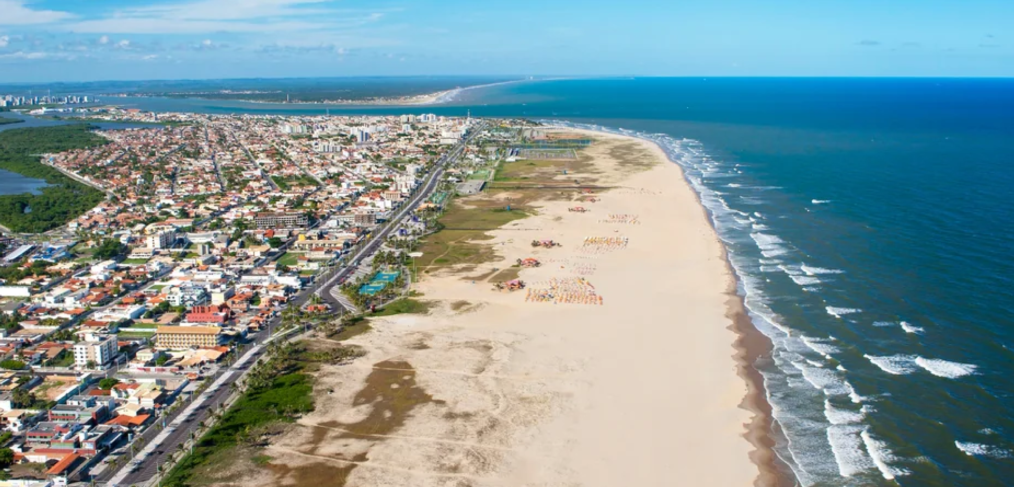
x,y
160,445
324,290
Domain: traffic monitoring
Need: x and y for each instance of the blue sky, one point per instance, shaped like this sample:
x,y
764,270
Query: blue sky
x,y
79,40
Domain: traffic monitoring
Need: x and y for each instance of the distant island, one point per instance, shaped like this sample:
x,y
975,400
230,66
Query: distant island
x,y
7,120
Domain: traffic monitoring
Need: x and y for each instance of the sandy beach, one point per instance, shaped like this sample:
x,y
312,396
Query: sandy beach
x,y
636,378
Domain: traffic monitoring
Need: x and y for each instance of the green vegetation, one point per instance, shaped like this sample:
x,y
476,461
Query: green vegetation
x,y
64,359
64,199
351,327
289,259
285,183
6,457
404,305
278,391
8,120
462,228
11,364
108,383
108,249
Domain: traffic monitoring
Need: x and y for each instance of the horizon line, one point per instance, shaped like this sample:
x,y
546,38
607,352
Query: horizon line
x,y
541,77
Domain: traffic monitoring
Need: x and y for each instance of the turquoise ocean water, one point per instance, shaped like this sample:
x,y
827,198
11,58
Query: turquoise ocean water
x,y
869,222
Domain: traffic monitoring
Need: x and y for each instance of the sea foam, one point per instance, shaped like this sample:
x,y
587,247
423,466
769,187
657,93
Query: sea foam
x,y
981,450
838,312
847,447
944,368
881,454
815,271
820,346
836,415
895,364
910,328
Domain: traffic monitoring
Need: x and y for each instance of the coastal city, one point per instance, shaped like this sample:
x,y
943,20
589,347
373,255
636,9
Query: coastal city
x,y
127,329
349,243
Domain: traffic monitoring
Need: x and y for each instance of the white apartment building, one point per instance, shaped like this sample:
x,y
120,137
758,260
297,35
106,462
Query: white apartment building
x,y
100,350
160,240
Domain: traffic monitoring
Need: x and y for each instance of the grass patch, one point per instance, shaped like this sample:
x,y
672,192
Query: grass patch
x,y
290,259
279,392
508,274
355,327
133,335
261,460
464,227
135,261
403,306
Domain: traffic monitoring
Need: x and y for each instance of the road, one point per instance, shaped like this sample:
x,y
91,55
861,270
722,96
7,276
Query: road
x,y
334,277
159,445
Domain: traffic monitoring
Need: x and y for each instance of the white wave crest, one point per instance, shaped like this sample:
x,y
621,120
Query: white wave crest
x,y
910,328
881,455
820,202
804,280
820,346
839,312
895,364
981,450
836,415
847,447
945,368
816,271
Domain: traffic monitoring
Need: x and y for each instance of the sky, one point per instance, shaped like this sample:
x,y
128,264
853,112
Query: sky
x,y
91,40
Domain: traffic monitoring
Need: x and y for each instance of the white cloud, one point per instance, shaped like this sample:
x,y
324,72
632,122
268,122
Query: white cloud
x,y
4,40
14,12
35,55
104,40
124,44
207,16
149,57
206,42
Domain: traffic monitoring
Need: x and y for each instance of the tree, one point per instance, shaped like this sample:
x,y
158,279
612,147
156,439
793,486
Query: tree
x,y
11,364
6,457
108,383
90,364
109,248
22,398
275,242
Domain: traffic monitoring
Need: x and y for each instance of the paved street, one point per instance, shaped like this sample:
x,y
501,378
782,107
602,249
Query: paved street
x,y
160,445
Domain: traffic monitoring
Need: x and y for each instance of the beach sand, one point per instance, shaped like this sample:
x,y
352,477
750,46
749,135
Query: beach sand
x,y
650,388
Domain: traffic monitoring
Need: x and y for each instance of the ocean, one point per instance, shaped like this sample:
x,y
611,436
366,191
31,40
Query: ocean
x,y
868,222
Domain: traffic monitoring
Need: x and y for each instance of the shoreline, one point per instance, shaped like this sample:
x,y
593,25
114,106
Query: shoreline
x,y
435,98
750,344
538,389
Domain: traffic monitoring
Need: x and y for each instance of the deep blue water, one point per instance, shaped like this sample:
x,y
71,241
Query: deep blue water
x,y
869,221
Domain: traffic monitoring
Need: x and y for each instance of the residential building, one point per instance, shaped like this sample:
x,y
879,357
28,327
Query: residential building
x,y
179,337
100,351
281,220
160,240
